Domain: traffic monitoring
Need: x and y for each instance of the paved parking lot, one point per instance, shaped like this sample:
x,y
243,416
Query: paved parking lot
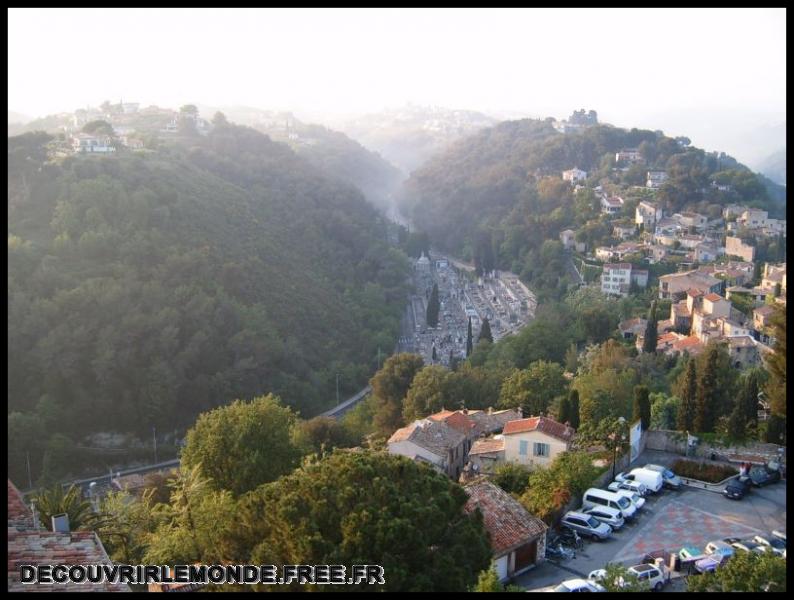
x,y
669,521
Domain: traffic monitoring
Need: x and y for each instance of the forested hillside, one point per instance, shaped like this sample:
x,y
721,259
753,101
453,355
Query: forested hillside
x,y
146,288
336,155
497,196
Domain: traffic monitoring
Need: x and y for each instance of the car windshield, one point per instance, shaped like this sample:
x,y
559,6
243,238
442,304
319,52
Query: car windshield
x,y
593,522
669,474
623,502
561,588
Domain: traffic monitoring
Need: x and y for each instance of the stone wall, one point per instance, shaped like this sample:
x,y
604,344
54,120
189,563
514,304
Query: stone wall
x,y
675,443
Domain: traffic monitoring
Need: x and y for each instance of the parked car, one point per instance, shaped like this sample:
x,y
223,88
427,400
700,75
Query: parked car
x,y
762,476
650,576
578,585
635,498
595,497
777,545
750,546
737,488
652,479
586,525
708,564
631,486
597,576
605,514
720,547
781,535
670,479
690,552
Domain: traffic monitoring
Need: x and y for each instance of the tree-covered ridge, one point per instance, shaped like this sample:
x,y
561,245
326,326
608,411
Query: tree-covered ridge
x,y
497,197
336,155
144,289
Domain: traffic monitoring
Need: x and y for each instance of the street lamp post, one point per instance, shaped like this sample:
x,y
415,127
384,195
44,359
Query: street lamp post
x,y
337,389
621,421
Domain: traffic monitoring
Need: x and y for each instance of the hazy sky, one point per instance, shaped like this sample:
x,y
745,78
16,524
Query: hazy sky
x,y
627,64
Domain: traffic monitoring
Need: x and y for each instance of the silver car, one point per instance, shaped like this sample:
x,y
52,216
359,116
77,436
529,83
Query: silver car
x,y
586,525
671,480
610,516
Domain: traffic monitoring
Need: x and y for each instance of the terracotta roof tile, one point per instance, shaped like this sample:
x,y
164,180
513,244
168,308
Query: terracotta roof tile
x,y
508,523
542,424
487,445
28,546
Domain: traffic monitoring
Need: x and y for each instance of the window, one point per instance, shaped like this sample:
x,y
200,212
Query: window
x,y
541,449
523,446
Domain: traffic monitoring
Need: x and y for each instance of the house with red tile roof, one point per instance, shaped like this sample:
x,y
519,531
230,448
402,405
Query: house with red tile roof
x,y
536,441
31,544
486,454
432,441
518,539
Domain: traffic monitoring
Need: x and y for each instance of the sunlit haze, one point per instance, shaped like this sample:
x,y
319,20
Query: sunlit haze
x,y
657,68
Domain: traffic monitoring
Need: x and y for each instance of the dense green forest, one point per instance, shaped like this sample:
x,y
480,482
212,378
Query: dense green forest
x,y
336,155
497,198
146,288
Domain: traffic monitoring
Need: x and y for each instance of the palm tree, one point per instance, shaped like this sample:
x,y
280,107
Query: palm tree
x,y
57,501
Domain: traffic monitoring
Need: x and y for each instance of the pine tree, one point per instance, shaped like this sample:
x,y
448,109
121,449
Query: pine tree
x,y
642,406
651,331
687,391
706,397
485,331
573,401
433,307
469,341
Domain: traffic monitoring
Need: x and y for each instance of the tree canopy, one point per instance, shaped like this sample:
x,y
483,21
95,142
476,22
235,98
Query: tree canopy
x,y
366,508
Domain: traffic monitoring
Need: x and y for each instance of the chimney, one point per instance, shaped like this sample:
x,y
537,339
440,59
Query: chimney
x,y
60,523
490,410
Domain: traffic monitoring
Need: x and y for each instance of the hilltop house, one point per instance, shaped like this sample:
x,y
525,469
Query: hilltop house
x,y
92,143
616,278
574,175
629,155
675,285
734,246
611,205
535,441
647,214
518,540
432,441
656,179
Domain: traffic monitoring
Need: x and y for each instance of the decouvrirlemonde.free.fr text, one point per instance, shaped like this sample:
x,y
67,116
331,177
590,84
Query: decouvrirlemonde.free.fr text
x,y
203,574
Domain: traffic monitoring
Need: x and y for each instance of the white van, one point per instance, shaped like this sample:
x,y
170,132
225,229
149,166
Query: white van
x,y
653,480
595,497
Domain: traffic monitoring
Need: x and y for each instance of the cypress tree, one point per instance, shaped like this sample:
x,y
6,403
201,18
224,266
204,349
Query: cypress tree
x,y
564,414
687,391
651,331
747,402
706,397
485,331
469,341
642,406
435,355
736,422
573,401
433,307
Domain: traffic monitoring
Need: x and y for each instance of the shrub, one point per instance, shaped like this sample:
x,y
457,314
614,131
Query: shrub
x,y
703,472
